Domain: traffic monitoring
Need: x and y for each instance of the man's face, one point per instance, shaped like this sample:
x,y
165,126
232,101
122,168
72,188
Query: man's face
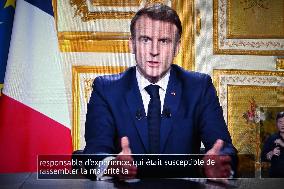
x,y
155,46
280,125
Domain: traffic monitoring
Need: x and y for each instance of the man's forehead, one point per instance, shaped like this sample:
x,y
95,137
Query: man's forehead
x,y
281,119
147,24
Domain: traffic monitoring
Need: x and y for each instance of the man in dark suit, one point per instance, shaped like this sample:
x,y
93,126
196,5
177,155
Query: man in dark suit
x,y
156,107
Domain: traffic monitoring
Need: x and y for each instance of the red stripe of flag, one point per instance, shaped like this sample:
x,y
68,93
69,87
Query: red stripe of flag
x,y
26,133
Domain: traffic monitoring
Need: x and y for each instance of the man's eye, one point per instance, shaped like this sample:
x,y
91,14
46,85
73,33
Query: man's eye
x,y
164,41
145,40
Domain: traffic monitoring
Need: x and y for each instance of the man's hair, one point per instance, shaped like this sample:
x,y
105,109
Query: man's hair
x,y
279,115
158,12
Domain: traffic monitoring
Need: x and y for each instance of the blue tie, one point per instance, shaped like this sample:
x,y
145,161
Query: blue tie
x,y
154,118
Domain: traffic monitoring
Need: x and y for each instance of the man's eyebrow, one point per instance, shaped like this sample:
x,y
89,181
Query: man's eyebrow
x,y
144,36
165,38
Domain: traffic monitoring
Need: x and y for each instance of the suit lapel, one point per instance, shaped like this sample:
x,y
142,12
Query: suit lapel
x,y
171,103
135,105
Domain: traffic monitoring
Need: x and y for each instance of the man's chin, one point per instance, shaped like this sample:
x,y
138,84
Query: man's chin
x,y
153,78
153,74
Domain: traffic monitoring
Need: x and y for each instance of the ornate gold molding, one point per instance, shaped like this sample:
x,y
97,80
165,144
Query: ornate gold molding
x,y
94,42
217,50
242,42
218,72
76,104
121,3
279,63
82,9
93,35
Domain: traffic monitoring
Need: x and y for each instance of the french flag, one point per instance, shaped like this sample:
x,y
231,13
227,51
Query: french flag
x,y
34,116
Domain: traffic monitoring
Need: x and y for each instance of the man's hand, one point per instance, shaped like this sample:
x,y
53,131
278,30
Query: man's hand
x,y
279,142
123,162
276,151
222,166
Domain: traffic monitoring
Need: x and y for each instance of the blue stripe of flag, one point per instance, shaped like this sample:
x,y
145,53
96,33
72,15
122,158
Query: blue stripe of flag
x,y
44,5
6,24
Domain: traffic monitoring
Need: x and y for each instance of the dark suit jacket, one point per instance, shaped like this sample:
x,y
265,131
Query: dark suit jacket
x,y
193,114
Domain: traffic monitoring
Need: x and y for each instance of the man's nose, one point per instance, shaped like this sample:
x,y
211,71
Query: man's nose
x,y
155,51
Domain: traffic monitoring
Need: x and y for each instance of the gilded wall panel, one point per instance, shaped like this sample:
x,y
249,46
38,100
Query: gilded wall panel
x,y
253,27
255,19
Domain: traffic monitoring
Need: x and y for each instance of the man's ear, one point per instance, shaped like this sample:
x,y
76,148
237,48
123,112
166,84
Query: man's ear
x,y
131,45
177,48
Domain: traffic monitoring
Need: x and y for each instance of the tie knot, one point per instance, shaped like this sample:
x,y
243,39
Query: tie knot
x,y
153,91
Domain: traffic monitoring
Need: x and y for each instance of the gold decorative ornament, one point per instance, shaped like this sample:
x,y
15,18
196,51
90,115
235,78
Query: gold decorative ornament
x,y
279,64
198,23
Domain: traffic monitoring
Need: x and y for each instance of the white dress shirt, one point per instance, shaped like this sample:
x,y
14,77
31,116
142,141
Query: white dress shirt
x,y
143,82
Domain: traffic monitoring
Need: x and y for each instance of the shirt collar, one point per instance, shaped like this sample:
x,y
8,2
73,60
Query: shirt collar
x,y
143,82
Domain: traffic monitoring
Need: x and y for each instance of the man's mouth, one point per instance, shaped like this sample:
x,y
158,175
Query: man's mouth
x,y
153,63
